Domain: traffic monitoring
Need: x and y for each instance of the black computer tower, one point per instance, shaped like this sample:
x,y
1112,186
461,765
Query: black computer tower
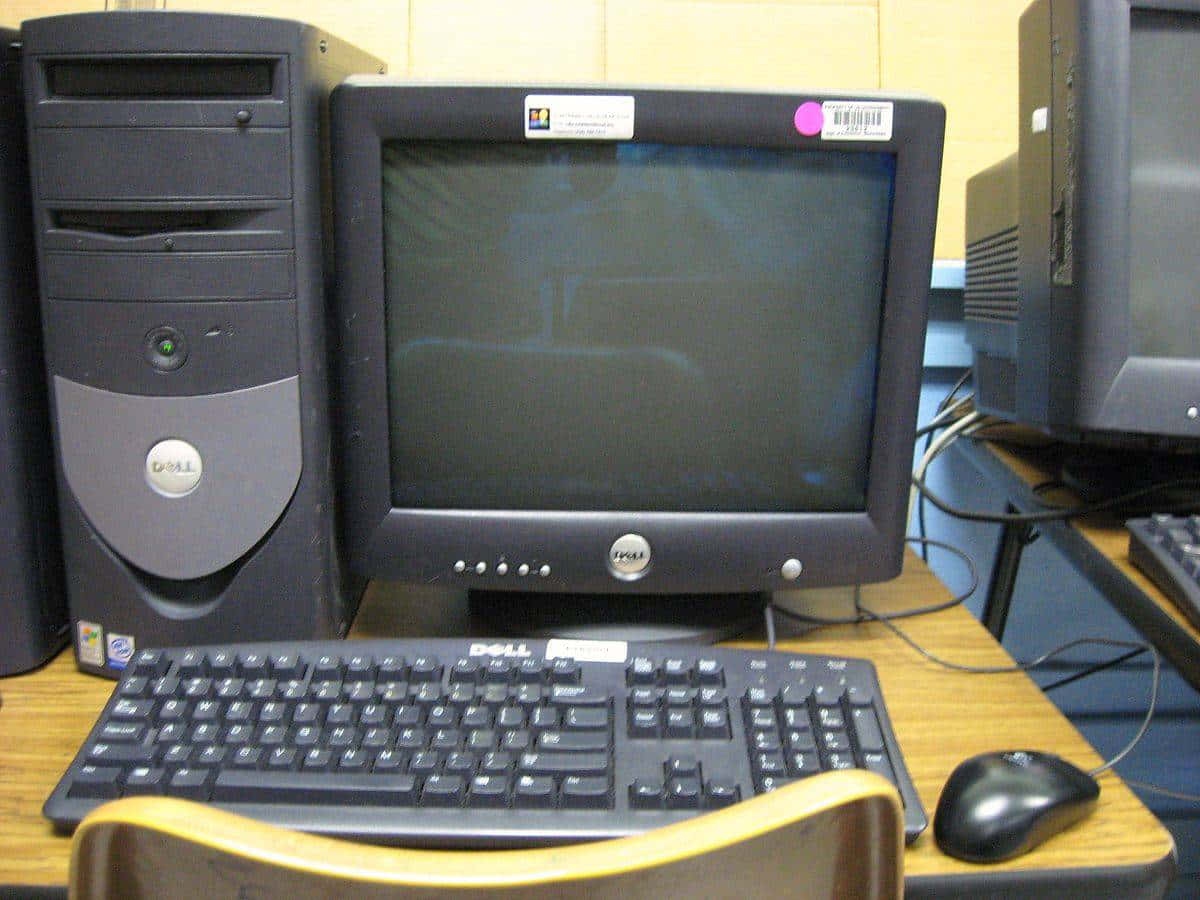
x,y
33,606
178,169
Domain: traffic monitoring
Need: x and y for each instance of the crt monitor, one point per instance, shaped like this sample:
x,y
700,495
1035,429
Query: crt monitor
x,y
1081,297
615,341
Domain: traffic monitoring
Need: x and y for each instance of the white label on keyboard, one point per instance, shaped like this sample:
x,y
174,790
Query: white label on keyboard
x,y
587,651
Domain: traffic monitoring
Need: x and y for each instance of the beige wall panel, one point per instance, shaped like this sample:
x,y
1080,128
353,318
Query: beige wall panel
x,y
14,12
379,28
764,44
964,53
533,40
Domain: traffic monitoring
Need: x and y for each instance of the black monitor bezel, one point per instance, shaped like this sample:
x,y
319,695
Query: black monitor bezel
x,y
692,552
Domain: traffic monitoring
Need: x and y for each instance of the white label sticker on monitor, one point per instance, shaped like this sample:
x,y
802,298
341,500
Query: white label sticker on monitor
x,y
587,651
856,120
579,117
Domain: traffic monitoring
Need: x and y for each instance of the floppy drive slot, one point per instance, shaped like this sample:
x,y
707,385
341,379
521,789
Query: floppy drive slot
x,y
186,227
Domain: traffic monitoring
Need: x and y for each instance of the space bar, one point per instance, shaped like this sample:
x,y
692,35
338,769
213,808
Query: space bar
x,y
329,788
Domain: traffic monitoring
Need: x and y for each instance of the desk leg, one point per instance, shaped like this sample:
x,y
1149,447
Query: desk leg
x,y
1013,539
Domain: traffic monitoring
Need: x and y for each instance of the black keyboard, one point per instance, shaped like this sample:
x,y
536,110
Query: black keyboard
x,y
478,743
1167,549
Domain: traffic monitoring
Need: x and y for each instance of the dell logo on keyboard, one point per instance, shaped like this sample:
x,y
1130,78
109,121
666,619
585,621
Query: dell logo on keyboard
x,y
510,650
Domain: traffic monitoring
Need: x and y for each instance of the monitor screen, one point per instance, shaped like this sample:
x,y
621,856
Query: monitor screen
x,y
607,340
628,326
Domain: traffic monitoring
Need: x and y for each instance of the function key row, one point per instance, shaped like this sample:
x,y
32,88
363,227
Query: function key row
x,y
358,667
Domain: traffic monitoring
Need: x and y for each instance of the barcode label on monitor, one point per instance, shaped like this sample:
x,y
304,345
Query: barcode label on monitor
x,y
856,120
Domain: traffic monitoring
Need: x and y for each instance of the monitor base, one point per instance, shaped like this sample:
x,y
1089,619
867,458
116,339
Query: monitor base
x,y
695,618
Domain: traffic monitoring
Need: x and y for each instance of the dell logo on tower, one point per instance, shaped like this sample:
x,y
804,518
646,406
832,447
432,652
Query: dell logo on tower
x,y
173,468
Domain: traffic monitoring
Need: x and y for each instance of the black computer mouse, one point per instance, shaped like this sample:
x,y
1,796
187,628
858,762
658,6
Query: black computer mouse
x,y
999,805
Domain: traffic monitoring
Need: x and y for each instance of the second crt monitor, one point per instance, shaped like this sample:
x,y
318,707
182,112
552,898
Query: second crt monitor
x,y
629,341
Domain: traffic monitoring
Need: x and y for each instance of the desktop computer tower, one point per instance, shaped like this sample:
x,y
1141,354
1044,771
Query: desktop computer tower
x,y
179,181
33,606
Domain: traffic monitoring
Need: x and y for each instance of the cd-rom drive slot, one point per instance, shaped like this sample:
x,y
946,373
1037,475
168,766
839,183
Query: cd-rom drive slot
x,y
124,78
163,163
227,226
169,276
149,91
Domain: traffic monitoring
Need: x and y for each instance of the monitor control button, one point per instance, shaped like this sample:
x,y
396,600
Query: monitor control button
x,y
502,569
460,566
544,571
173,468
791,569
523,569
629,556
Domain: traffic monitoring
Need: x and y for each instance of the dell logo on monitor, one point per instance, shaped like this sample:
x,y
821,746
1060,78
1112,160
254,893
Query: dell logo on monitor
x,y
629,556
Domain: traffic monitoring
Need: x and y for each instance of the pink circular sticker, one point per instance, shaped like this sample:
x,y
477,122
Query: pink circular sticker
x,y
809,118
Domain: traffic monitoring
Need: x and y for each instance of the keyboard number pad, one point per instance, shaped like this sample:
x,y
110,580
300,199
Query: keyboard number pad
x,y
796,732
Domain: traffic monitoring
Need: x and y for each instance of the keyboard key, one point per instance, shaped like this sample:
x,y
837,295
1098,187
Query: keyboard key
x,y
302,787
563,763
534,792
866,729
488,791
576,696
719,792
579,792
99,782
192,784
144,781
115,754
710,672
443,790
683,793
584,719
572,740
646,793
123,732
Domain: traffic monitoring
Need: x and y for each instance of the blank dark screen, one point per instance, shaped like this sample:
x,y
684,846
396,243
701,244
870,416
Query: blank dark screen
x,y
632,327
1164,65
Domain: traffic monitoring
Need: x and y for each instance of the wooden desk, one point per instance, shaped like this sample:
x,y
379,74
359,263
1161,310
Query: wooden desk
x,y
940,717
1096,545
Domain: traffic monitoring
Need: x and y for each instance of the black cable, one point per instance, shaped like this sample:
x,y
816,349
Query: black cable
x,y
1155,789
806,619
922,531
958,385
1037,661
1050,514
1092,670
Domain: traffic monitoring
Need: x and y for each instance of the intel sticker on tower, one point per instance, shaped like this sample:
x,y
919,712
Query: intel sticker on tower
x,y
579,117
